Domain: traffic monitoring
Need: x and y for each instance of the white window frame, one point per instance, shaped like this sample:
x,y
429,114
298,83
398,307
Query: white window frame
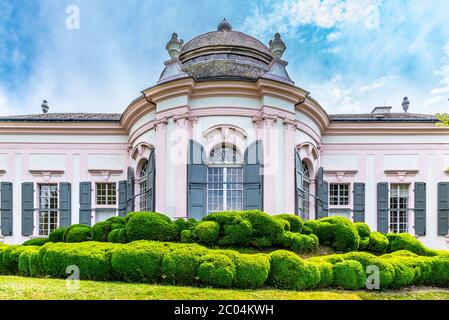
x,y
109,203
339,197
49,211
401,227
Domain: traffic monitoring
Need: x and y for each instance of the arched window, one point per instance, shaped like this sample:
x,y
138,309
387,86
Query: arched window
x,y
224,179
143,186
306,189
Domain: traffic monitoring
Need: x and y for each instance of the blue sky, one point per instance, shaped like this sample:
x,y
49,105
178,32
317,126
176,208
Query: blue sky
x,y
351,55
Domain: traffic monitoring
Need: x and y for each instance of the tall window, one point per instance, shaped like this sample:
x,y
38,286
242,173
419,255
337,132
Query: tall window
x,y
224,179
399,208
304,209
48,208
143,186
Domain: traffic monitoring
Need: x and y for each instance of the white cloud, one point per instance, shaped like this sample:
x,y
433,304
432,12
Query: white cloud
x,y
6,107
440,93
376,84
287,15
333,36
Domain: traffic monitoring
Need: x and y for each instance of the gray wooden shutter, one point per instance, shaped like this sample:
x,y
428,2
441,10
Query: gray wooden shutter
x,y
253,177
130,191
197,181
322,195
359,202
65,204
299,182
151,175
382,207
85,203
443,208
122,198
6,206
27,208
420,208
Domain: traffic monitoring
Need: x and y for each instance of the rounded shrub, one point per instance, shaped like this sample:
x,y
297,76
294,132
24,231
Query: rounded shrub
x,y
207,232
149,226
296,223
68,229
11,256
100,231
349,274
299,242
187,236
217,270
363,245
310,227
403,274
117,220
440,272
266,229
118,236
183,224
138,262
225,217
36,242
285,224
24,260
78,234
288,271
180,266
326,275
363,229
251,270
378,243
57,235
406,241
236,234
338,233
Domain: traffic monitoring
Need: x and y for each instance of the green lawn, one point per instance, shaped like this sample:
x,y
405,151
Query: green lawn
x,y
38,289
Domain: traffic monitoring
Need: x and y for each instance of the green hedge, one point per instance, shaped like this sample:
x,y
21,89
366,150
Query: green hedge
x,y
149,226
78,234
36,242
349,274
338,233
217,270
207,232
296,223
377,243
406,241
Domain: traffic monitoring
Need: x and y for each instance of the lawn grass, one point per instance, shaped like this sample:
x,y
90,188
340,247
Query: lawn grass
x,y
22,288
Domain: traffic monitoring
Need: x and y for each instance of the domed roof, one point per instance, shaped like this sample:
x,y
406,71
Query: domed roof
x,y
226,39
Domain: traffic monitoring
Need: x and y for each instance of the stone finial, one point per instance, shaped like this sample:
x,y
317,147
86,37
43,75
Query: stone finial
x,y
174,46
405,104
277,46
224,25
45,106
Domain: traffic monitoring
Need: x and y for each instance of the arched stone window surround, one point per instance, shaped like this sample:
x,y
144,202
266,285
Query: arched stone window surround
x,y
140,154
310,155
227,134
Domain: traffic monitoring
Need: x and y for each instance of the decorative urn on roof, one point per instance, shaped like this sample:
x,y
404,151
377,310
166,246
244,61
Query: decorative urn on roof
x,y
174,46
224,25
277,46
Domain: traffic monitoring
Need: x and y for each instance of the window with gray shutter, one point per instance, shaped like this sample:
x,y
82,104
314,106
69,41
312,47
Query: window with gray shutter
x,y
150,183
253,177
122,198
443,208
6,208
359,202
382,207
197,181
65,204
420,208
130,191
85,203
27,208
322,195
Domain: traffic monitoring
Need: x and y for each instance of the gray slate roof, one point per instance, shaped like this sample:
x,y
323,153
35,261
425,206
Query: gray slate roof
x,y
387,117
64,117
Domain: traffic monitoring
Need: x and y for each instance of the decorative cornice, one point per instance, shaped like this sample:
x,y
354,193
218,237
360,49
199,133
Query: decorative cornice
x,y
400,173
341,174
105,173
265,120
184,119
46,174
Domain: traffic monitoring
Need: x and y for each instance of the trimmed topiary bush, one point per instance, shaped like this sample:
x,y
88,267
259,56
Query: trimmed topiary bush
x,y
236,234
207,232
187,236
138,261
118,236
100,231
363,229
11,256
149,226
180,266
310,227
251,270
288,271
285,224
217,270
78,234
296,223
36,242
378,243
349,274
406,241
326,275
183,224
67,230
24,260
338,233
299,242
266,230
57,235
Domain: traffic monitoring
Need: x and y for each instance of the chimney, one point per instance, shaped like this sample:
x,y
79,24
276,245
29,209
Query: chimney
x,y
381,110
405,104
45,106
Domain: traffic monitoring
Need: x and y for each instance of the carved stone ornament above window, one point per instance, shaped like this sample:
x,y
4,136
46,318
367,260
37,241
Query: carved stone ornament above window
x,y
141,150
47,174
105,174
341,174
401,174
225,130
